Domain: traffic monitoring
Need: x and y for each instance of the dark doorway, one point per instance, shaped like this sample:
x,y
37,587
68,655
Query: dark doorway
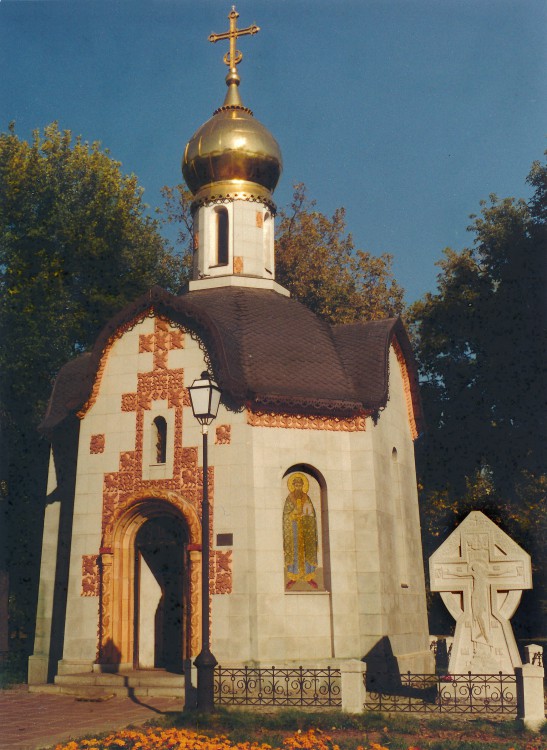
x,y
159,550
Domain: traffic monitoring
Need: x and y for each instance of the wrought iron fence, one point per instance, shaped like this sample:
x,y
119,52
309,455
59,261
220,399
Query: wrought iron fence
x,y
492,694
256,686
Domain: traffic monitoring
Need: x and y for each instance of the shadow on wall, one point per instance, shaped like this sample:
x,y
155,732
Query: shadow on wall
x,y
110,658
190,692
382,668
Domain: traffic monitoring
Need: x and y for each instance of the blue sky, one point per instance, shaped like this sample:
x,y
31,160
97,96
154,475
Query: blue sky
x,y
406,112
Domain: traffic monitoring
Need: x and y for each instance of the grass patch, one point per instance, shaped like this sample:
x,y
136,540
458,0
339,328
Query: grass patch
x,y
350,731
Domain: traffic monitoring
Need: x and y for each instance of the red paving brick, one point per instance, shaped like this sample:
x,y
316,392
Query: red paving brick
x,y
31,721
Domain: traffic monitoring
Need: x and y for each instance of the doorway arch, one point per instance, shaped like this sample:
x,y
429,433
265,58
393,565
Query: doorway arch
x,y
169,518
160,594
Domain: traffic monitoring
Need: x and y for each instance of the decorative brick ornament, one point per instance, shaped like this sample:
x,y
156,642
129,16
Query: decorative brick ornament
x,y
223,434
161,342
220,575
123,329
125,489
300,422
407,388
90,575
97,444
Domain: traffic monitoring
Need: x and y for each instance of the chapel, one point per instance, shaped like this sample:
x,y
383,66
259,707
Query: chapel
x,y
315,552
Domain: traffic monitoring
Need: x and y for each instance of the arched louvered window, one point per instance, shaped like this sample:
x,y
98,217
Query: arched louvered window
x,y
268,244
222,236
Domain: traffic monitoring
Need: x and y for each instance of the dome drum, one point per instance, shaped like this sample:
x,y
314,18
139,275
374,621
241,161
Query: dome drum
x,y
233,190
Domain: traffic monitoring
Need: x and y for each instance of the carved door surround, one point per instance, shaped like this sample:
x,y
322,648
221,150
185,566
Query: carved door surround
x,y
117,577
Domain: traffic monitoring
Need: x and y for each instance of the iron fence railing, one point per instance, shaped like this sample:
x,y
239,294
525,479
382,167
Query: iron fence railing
x,y
492,694
258,686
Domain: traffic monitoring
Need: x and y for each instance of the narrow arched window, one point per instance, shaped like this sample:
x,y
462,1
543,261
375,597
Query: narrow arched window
x,y
268,246
160,435
222,236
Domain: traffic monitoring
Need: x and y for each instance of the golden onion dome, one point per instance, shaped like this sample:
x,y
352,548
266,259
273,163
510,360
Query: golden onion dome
x,y
232,155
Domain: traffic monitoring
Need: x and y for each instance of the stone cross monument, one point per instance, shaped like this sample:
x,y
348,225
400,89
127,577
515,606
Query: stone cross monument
x,y
480,573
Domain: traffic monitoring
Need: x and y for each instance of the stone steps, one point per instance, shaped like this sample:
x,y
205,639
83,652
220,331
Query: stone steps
x,y
101,686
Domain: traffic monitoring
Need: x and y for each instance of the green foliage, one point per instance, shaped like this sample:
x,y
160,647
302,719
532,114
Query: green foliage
x,y
177,210
317,261
480,343
13,669
76,245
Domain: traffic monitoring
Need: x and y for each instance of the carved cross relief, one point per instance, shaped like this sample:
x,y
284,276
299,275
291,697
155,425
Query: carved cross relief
x,y
480,573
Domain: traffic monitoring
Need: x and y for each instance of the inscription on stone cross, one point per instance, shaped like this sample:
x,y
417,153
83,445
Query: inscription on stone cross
x,y
480,573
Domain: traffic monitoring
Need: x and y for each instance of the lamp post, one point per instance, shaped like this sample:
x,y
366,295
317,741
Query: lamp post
x,y
205,400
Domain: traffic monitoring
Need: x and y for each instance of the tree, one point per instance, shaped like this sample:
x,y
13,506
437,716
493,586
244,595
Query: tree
x,y
76,245
315,259
480,342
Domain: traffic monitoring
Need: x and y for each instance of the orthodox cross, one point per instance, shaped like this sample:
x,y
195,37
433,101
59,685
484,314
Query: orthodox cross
x,y
161,342
485,565
234,56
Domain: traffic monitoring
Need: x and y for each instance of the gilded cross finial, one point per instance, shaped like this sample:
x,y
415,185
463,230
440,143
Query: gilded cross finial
x,y
234,56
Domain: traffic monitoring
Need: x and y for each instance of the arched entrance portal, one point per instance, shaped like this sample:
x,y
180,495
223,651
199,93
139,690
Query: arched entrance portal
x,y
160,594
150,559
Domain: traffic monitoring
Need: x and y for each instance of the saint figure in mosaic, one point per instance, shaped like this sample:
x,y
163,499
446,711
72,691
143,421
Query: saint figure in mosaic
x,y
299,533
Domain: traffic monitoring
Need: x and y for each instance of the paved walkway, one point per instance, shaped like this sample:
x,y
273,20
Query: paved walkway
x,y
30,721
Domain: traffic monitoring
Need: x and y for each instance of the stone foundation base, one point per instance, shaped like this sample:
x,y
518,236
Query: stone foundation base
x,y
37,670
74,666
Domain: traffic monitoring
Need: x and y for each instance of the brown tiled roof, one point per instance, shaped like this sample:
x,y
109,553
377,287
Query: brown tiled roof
x,y
364,351
267,351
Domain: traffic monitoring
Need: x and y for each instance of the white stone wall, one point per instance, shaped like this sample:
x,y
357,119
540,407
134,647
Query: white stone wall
x,y
105,417
375,546
373,524
282,626
251,240
401,607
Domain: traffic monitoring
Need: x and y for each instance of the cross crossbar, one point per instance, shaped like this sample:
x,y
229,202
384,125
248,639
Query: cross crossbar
x,y
234,56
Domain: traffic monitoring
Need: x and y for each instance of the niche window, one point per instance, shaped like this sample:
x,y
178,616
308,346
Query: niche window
x,y
160,438
221,227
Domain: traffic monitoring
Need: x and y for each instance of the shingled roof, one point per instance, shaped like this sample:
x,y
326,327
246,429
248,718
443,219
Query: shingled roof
x,y
267,351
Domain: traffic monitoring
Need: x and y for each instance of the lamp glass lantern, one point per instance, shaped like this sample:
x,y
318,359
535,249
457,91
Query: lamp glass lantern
x,y
205,398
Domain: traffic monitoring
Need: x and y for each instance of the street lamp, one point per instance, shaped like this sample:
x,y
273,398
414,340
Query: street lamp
x,y
205,400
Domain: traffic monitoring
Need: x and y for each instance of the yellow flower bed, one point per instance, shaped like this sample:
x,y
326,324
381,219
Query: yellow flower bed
x,y
184,739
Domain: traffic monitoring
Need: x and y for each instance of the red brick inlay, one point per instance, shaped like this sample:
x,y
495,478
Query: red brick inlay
x,y
220,575
121,487
90,575
104,359
97,444
223,434
407,388
303,422
161,342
